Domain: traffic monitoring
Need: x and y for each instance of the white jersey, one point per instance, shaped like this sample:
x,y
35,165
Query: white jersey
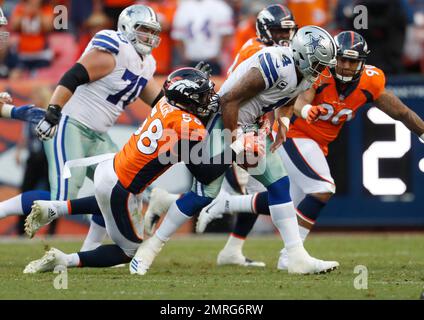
x,y
98,104
201,25
281,84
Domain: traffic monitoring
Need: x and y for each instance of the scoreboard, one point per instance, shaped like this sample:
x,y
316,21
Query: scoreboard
x,y
378,167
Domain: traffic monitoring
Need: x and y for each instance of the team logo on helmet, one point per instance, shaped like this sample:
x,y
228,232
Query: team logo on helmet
x,y
314,43
182,85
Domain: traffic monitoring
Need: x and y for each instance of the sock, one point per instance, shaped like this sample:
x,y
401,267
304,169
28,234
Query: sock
x,y
21,204
84,206
95,236
283,213
104,256
303,232
244,224
260,203
241,203
234,244
179,212
174,219
73,260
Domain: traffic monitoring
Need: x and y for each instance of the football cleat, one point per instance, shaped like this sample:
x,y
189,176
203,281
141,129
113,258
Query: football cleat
x,y
300,262
42,213
236,258
159,203
214,210
145,255
48,262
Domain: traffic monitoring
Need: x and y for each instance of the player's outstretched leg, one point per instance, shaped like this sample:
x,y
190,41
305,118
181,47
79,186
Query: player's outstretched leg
x,y
44,212
101,257
159,202
179,212
308,212
20,205
283,215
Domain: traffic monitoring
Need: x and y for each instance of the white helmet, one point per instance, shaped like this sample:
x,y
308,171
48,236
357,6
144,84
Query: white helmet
x,y
139,24
314,49
4,35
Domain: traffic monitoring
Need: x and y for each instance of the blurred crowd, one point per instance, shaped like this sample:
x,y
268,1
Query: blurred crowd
x,y
194,30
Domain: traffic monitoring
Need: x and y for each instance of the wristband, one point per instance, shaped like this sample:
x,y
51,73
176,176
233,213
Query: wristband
x,y
53,114
305,110
286,122
6,110
237,146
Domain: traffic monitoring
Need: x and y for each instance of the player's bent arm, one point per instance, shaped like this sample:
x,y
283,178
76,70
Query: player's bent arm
x,y
303,100
209,169
250,85
92,66
151,93
395,108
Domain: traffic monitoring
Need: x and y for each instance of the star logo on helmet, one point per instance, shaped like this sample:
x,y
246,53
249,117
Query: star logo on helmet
x,y
130,12
315,43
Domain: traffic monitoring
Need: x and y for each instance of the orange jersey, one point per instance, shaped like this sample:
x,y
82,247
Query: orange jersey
x,y
244,31
31,36
341,106
310,12
144,157
165,11
252,46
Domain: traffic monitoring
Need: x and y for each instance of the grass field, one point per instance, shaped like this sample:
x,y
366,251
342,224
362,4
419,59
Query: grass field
x,y
186,269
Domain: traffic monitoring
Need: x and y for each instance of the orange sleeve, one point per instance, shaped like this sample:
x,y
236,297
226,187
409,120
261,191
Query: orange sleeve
x,y
377,83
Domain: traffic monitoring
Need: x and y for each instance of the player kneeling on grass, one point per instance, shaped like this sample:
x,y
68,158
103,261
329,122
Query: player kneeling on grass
x,y
174,129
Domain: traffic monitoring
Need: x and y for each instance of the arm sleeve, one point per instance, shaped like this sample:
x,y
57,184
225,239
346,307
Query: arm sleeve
x,y
209,170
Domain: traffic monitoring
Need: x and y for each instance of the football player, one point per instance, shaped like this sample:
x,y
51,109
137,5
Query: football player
x,y
115,69
322,111
269,79
275,25
174,128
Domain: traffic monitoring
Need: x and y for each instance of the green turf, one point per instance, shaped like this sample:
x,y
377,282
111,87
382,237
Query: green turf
x,y
185,269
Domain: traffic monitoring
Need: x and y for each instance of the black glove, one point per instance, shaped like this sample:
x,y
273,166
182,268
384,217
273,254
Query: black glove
x,y
204,67
47,127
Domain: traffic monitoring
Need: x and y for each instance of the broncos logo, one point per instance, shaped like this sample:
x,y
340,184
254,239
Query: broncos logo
x,y
182,85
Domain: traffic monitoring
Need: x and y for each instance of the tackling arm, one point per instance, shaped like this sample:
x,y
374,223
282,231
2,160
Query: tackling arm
x,y
304,99
151,93
395,108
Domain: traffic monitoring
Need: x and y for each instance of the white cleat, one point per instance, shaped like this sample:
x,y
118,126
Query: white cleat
x,y
283,260
159,202
300,262
232,258
145,255
214,210
42,213
48,262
